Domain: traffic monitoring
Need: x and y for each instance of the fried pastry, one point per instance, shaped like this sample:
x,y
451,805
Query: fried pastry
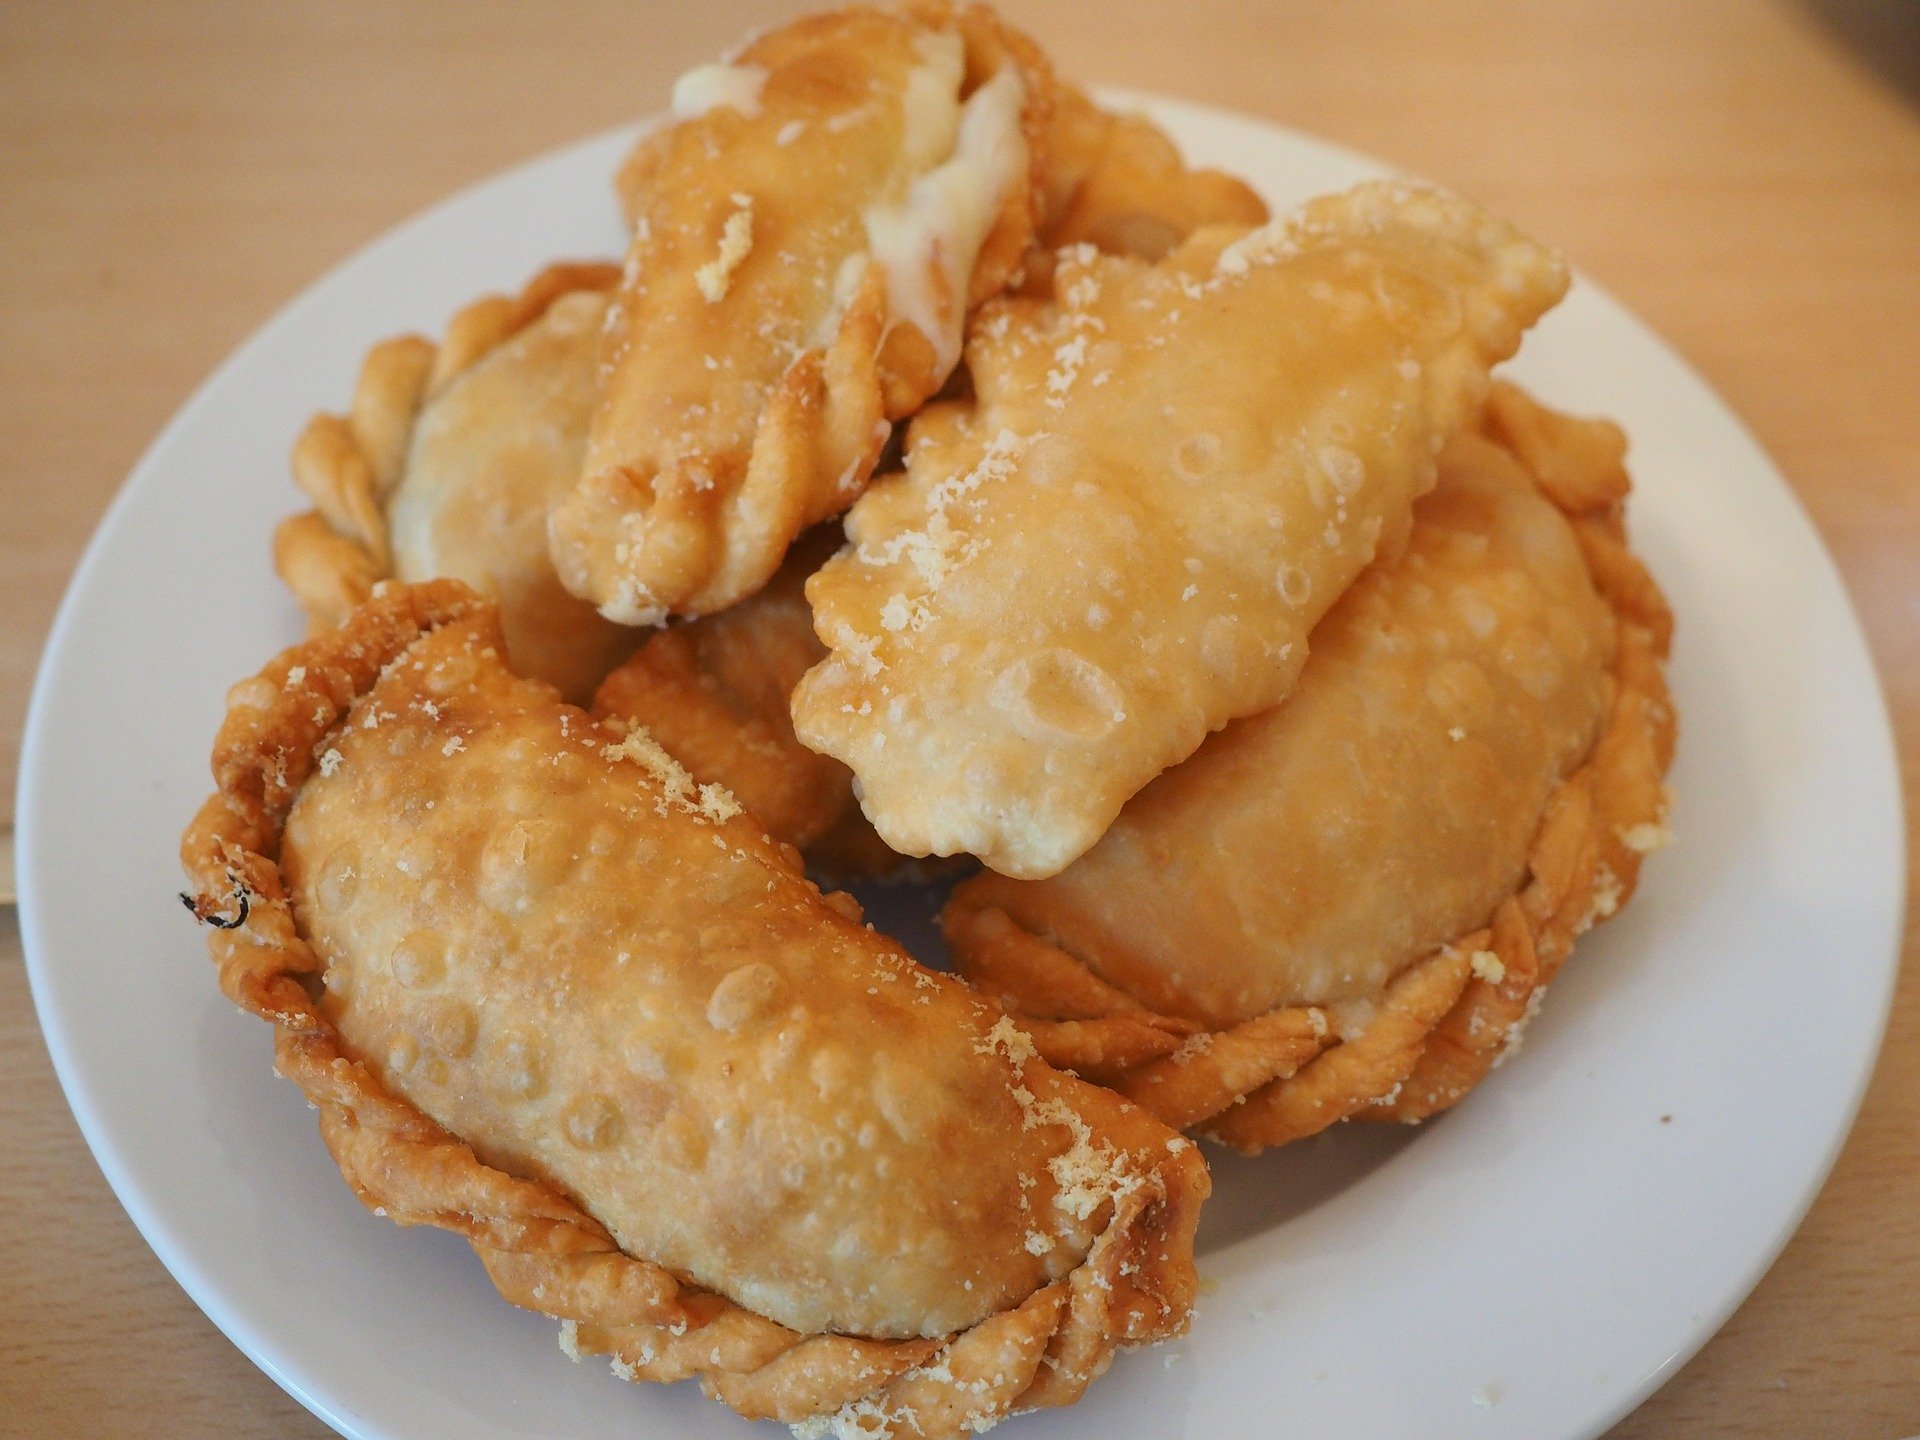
x,y
1117,182
1167,475
1350,904
811,231
445,466
1112,180
715,693
548,993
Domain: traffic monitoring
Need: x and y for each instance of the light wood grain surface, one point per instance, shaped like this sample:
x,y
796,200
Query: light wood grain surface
x,y
1745,176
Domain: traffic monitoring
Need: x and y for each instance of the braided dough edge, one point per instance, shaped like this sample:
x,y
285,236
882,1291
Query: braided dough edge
x,y
1444,1021
331,556
542,1251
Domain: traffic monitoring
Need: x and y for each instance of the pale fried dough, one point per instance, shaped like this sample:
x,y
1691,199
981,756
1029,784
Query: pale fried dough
x,y
445,466
715,691
1349,904
552,995
1112,180
809,235
1117,182
1387,805
1168,475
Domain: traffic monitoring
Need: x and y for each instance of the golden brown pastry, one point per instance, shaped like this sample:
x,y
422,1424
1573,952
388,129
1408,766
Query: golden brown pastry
x,y
445,466
1114,181
1168,475
549,993
1350,904
1117,182
715,691
810,234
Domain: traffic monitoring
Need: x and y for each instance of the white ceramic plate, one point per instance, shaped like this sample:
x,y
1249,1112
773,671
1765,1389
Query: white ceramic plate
x,y
1530,1266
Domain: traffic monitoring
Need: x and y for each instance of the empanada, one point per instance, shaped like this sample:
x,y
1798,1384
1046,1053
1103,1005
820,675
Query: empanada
x,y
549,993
1168,475
1117,182
446,463
715,693
811,232
1349,904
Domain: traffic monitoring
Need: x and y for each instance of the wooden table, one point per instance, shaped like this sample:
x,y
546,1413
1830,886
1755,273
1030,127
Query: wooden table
x,y
1745,176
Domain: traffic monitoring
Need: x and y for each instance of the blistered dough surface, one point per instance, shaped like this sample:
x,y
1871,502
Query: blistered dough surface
x,y
808,237
1307,854
599,974
1168,475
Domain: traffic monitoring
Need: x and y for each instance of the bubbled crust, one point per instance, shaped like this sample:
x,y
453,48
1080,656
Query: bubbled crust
x,y
1438,1026
1304,856
1169,474
600,987
285,729
540,1248
751,365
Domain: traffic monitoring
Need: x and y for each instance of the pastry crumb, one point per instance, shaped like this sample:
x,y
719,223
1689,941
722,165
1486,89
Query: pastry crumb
x,y
1645,838
1488,966
713,803
736,242
1008,1039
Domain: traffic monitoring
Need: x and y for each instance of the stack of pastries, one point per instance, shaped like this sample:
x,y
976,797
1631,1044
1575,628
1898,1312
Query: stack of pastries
x,y
948,471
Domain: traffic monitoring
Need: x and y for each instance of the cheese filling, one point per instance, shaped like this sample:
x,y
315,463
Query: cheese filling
x,y
969,156
708,87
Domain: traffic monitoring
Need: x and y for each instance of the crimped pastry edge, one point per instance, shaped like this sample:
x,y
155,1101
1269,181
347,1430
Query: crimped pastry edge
x,y
332,556
541,1250
1444,1021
